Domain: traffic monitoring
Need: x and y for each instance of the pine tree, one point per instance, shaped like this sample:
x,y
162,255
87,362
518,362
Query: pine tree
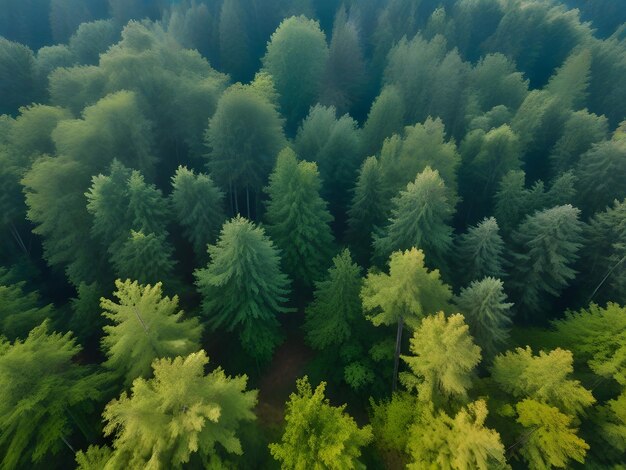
x,y
243,287
43,389
406,295
317,434
336,306
420,219
511,200
443,360
570,82
488,314
144,326
298,220
480,251
197,203
547,247
386,117
167,420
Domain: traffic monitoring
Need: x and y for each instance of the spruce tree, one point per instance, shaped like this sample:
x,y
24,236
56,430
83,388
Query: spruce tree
x,y
420,218
180,415
480,251
487,313
386,117
243,286
298,219
144,326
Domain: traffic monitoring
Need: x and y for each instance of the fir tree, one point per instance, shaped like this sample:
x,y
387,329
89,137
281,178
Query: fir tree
x,y
386,117
480,251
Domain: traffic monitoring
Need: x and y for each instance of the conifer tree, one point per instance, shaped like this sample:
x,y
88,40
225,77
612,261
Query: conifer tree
x,y
480,251
179,415
43,389
336,306
547,246
197,203
234,40
87,322
488,314
386,117
243,286
443,359
298,220
420,218
317,434
406,295
145,326
368,212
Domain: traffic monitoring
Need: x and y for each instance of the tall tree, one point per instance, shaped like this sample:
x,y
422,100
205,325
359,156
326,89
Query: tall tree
x,y
488,314
144,326
243,286
480,251
234,40
17,76
386,117
420,218
297,44
298,220
317,434
407,294
42,390
547,247
181,415
197,203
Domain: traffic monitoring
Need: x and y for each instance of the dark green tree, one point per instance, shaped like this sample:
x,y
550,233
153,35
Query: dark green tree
x,y
480,251
234,40
243,287
147,258
17,76
386,117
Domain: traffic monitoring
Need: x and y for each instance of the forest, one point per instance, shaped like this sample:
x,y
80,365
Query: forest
x,y
312,234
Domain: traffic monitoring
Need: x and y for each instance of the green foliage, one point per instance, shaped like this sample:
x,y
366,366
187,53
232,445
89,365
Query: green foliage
x,y
197,203
336,305
243,287
386,117
547,246
297,44
438,440
420,218
40,386
391,420
318,435
569,83
165,420
442,361
94,458
30,134
298,220
92,39
409,292
17,76
145,326
480,251
86,321
234,40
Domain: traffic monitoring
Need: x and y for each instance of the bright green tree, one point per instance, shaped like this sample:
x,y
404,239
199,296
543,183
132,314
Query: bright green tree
x,y
144,326
480,251
179,415
420,218
406,295
442,361
297,44
197,203
42,390
243,286
488,314
547,246
298,219
318,435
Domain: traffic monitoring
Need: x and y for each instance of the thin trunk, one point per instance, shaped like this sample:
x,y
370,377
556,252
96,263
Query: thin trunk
x,y
248,201
396,359
605,278
18,238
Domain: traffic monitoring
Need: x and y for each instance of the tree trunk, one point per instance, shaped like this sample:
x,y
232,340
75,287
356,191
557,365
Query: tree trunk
x,y
396,359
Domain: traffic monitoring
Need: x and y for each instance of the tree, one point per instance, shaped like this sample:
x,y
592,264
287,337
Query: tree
x,y
368,212
243,287
92,39
455,442
30,134
336,305
420,218
144,326
488,314
243,138
318,435
197,203
179,414
297,44
570,81
235,52
442,361
17,76
146,258
547,246
42,389
298,220
480,251
407,294
386,117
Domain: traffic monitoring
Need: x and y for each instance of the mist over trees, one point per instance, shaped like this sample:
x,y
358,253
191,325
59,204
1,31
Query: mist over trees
x,y
312,234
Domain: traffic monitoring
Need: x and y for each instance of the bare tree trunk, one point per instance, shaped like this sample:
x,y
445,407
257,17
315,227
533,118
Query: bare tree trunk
x,y
396,359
